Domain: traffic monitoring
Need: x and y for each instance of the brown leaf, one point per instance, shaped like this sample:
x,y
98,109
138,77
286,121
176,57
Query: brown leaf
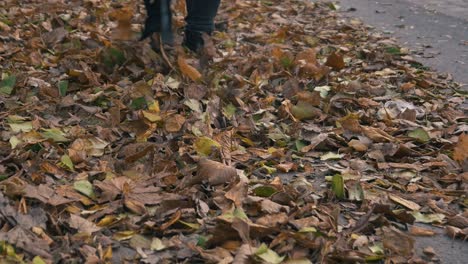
x,y
273,220
83,225
419,231
243,228
335,61
357,145
215,172
172,221
460,152
135,206
238,192
174,123
406,203
124,26
397,242
304,110
188,70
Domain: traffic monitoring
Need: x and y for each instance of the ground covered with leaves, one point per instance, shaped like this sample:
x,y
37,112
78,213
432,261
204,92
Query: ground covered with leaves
x,y
304,139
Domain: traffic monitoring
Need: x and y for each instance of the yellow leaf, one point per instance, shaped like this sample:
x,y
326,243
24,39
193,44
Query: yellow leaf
x,y
188,70
151,116
154,106
204,145
107,220
124,235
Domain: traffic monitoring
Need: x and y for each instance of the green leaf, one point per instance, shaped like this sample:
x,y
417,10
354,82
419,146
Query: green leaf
x,y
338,186
300,144
239,213
195,226
84,187
308,230
63,87
377,248
38,260
428,218
204,145
304,110
265,191
7,85
268,255
66,160
14,141
286,62
201,241
21,127
113,57
138,103
157,244
420,135
55,134
393,50
333,6
229,110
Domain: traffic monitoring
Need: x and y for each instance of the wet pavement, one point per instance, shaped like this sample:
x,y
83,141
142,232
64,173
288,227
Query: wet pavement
x,y
437,33
435,30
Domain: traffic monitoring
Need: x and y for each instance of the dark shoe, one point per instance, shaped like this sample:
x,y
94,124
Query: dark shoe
x,y
193,40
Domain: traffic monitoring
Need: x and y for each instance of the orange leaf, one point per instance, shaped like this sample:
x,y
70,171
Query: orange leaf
x,y
335,61
459,153
188,70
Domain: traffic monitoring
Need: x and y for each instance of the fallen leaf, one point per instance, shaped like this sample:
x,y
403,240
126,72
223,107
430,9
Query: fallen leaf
x,y
420,135
174,123
82,225
188,70
406,203
205,145
460,152
85,187
268,255
419,231
335,61
215,172
338,186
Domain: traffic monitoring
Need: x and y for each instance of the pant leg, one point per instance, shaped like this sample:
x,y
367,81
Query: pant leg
x,y
201,14
158,16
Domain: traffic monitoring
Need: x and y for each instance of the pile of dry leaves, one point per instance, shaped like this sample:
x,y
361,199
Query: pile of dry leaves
x,y
306,139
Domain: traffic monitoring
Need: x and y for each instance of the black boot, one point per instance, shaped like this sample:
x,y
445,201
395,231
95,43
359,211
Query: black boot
x,y
193,40
200,20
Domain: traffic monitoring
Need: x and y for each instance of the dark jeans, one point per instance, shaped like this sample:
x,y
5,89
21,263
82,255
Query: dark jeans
x,y
200,15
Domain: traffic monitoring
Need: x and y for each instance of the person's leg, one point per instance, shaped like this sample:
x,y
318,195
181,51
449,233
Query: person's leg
x,y
200,19
158,20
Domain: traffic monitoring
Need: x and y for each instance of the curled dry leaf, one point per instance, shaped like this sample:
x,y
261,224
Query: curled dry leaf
x,y
215,172
188,70
420,231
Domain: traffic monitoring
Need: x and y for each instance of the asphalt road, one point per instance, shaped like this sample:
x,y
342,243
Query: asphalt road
x,y
435,30
437,33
